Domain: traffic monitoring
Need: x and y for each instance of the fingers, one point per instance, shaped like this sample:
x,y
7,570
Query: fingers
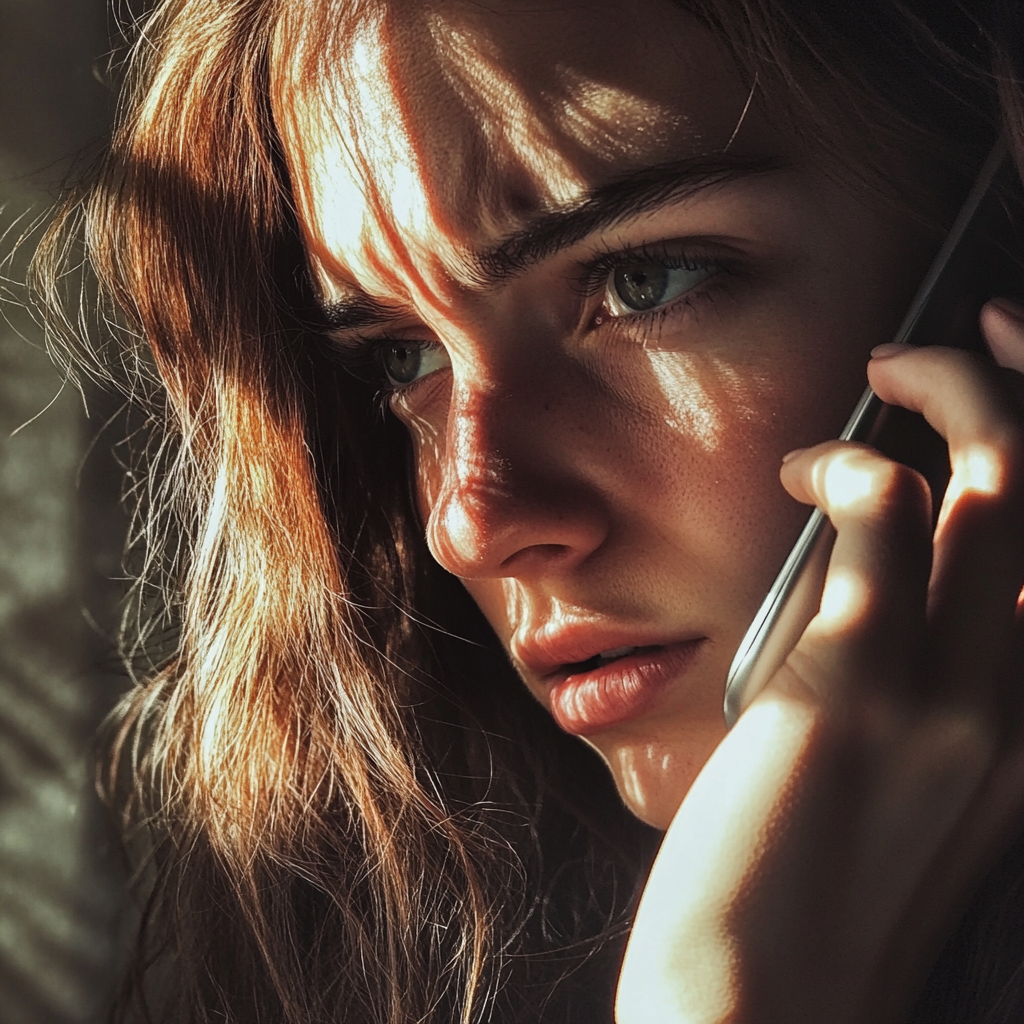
x,y
958,393
1002,323
978,567
872,619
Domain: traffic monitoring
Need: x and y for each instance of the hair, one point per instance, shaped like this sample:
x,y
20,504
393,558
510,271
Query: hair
x,y
344,804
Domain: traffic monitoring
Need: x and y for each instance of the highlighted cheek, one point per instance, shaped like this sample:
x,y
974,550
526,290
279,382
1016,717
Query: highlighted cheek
x,y
689,408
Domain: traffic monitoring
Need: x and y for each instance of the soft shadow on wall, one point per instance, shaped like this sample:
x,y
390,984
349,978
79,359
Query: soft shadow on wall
x,y
61,534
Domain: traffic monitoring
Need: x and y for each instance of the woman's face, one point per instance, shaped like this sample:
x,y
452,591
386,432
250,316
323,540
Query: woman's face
x,y
607,296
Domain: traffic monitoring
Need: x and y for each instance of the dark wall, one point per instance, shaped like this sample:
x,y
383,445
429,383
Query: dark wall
x,y
60,536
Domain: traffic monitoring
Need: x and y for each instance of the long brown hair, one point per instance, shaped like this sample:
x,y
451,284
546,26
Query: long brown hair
x,y
346,806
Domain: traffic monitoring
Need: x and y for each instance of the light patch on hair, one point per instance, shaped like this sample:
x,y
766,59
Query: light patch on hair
x,y
366,206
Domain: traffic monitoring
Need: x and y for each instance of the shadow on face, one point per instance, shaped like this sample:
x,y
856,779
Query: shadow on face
x,y
605,295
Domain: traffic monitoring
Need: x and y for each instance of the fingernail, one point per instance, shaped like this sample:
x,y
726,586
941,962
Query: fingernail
x,y
1014,310
792,455
890,348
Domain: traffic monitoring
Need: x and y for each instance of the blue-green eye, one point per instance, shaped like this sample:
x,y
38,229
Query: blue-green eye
x,y
645,285
406,362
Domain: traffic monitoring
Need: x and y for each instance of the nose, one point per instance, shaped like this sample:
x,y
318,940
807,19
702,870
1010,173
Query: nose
x,y
517,496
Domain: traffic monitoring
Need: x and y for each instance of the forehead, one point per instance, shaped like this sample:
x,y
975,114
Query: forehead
x,y
424,131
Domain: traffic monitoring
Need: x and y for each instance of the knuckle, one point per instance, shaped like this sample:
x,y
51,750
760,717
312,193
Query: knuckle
x,y
898,484
910,495
868,485
992,467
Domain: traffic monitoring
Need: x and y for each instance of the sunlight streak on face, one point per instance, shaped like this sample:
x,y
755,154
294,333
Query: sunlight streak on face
x,y
474,72
429,448
615,123
697,412
633,771
693,411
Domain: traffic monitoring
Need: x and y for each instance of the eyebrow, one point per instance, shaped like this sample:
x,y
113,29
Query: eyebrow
x,y
354,311
608,205
555,230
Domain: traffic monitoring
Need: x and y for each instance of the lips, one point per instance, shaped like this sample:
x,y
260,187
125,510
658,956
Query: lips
x,y
602,679
609,657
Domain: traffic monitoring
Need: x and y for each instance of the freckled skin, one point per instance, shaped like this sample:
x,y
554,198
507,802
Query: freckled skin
x,y
624,474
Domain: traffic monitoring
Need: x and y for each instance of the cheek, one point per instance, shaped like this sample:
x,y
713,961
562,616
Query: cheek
x,y
708,432
499,600
427,436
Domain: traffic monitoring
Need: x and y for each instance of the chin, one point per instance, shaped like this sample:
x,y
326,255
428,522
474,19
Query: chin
x,y
653,773
657,811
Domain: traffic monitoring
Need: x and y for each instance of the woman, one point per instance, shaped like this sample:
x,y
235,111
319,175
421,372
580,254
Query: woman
x,y
528,302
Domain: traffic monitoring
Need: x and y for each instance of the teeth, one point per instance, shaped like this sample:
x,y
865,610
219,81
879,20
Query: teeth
x,y
616,652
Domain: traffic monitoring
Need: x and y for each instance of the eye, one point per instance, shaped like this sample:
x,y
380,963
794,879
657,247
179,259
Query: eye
x,y
645,285
406,362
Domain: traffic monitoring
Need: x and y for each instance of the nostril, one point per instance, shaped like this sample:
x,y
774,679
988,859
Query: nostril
x,y
549,553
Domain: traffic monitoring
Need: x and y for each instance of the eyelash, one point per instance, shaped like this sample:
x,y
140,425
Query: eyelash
x,y
362,355
595,272
595,275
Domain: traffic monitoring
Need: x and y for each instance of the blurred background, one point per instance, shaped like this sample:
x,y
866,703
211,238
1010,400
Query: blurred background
x,y
61,530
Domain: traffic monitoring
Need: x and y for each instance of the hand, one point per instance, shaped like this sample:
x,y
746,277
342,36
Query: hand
x,y
828,847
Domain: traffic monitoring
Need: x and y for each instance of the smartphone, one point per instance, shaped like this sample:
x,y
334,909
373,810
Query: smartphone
x,y
976,261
